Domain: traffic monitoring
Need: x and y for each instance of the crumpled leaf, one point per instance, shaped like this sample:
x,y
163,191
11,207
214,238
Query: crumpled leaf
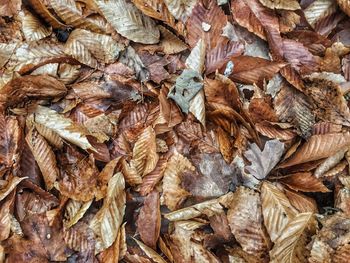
x,y
246,223
318,147
64,127
145,155
290,245
187,85
173,193
30,87
262,162
148,222
276,209
108,219
44,156
129,21
92,48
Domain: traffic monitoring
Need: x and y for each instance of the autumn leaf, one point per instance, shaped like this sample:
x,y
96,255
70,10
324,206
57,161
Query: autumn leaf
x,y
148,222
290,245
288,5
304,182
262,162
129,21
145,155
108,219
32,28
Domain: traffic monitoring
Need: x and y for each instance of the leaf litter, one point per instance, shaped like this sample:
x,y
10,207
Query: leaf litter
x,y
174,131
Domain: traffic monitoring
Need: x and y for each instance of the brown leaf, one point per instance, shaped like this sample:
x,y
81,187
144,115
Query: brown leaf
x,y
250,70
148,222
318,147
10,8
301,202
203,18
154,177
304,182
224,51
261,110
246,222
274,131
327,96
287,5
31,87
44,156
10,185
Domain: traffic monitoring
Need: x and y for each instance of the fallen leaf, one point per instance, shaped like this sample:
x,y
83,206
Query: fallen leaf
x,y
304,182
287,5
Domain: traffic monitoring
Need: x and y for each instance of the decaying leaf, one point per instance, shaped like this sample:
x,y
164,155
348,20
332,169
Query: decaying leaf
x,y
262,162
304,182
282,4
32,28
173,194
246,222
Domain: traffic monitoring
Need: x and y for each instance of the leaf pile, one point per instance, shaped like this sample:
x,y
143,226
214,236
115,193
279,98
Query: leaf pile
x,y
175,131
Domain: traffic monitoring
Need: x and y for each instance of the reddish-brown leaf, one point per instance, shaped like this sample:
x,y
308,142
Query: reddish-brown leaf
x,y
304,182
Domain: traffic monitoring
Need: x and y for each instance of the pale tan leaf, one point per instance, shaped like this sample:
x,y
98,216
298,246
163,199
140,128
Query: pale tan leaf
x,y
170,43
209,208
11,184
64,127
318,10
44,156
262,162
6,51
344,6
92,48
5,219
165,249
32,28
173,194
68,73
304,182
329,163
276,208
108,219
75,210
129,21
150,252
196,59
145,155
197,107
290,245
245,219
72,16
318,147
180,9
281,4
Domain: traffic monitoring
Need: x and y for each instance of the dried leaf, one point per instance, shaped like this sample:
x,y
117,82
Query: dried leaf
x,y
154,177
10,8
71,15
150,252
129,21
304,182
318,147
32,28
262,162
250,70
329,163
317,10
173,194
187,85
108,219
293,106
170,43
246,222
44,156
92,48
276,209
64,127
31,87
290,245
180,9
283,4
145,155
148,222
75,210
